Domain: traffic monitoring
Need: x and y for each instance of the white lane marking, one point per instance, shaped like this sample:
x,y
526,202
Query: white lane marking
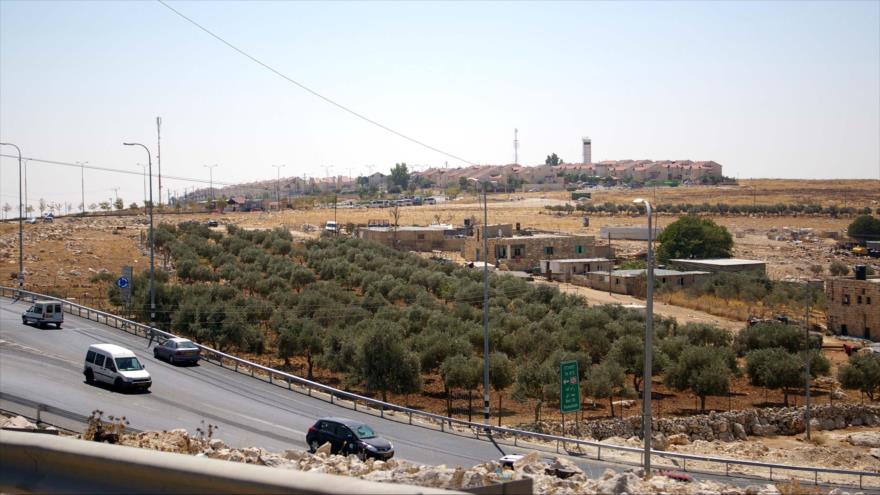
x,y
34,350
257,420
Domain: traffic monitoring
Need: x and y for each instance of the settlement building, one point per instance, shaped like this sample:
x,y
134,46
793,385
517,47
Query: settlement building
x,y
635,282
564,269
524,249
721,265
854,305
430,238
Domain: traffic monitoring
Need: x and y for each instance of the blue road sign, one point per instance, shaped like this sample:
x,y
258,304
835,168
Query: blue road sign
x,y
122,282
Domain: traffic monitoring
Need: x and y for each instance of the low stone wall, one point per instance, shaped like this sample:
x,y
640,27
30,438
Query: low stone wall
x,y
726,426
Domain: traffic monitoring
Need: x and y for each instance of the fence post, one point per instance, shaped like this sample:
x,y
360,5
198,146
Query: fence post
x,y
771,473
410,417
331,397
598,454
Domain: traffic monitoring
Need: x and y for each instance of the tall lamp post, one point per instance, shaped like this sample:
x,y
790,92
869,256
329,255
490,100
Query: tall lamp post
x,y
20,222
649,333
152,257
485,303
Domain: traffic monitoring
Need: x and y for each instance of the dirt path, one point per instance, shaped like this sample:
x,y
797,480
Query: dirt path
x,y
683,315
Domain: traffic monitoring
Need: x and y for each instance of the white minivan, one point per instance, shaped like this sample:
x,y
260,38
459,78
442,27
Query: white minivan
x,y
117,366
44,313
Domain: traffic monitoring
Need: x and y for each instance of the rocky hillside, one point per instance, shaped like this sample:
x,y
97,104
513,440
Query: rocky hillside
x,y
397,471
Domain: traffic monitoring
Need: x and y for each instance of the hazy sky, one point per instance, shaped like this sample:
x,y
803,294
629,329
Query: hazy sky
x,y
767,89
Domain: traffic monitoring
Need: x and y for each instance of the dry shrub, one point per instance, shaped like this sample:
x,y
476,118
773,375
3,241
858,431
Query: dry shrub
x,y
817,439
794,487
99,430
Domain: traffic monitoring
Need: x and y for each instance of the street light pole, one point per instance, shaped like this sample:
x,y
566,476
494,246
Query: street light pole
x,y
20,222
485,303
649,333
152,257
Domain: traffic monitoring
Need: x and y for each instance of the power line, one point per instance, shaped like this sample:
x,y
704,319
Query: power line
x,y
313,92
115,170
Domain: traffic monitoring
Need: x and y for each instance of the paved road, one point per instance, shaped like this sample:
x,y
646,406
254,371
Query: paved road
x,y
46,366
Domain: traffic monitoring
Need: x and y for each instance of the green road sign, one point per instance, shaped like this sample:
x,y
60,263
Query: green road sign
x,y
569,387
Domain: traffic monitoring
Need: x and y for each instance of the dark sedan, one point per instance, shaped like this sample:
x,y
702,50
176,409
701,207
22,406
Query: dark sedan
x,y
177,351
347,436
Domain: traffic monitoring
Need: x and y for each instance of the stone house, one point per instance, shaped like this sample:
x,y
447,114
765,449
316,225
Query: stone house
x,y
415,238
854,306
634,282
523,250
564,269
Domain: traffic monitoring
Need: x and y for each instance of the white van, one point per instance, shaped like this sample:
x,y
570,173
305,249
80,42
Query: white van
x,y
43,313
331,227
117,366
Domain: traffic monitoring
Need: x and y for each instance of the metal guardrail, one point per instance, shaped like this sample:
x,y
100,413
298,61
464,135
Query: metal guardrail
x,y
386,409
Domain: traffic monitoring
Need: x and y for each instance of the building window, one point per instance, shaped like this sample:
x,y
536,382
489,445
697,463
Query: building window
x,y
421,237
868,300
548,249
846,300
858,299
579,249
843,330
517,252
681,281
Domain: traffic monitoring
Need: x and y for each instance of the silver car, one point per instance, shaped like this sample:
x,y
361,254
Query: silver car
x,y
177,351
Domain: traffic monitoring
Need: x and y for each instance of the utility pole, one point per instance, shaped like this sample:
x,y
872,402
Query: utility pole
x,y
144,168
515,147
82,178
159,153
647,420
210,179
278,183
20,221
115,193
807,366
25,185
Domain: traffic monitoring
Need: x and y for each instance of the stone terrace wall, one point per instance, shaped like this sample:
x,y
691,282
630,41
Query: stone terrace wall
x,y
726,426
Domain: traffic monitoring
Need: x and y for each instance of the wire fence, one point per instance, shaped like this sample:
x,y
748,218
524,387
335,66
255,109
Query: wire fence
x,y
586,449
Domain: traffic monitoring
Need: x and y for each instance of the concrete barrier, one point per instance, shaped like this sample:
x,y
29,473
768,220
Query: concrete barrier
x,y
45,464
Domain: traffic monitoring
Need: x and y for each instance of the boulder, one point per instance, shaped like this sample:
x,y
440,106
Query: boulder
x,y
17,423
294,455
621,483
739,431
216,444
764,430
864,439
324,449
680,439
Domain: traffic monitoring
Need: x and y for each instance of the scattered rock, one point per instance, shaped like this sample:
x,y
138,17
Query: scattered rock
x,y
864,439
621,483
18,423
324,449
681,438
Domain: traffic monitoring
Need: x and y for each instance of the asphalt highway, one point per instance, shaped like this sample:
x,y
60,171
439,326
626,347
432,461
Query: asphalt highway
x,y
45,366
